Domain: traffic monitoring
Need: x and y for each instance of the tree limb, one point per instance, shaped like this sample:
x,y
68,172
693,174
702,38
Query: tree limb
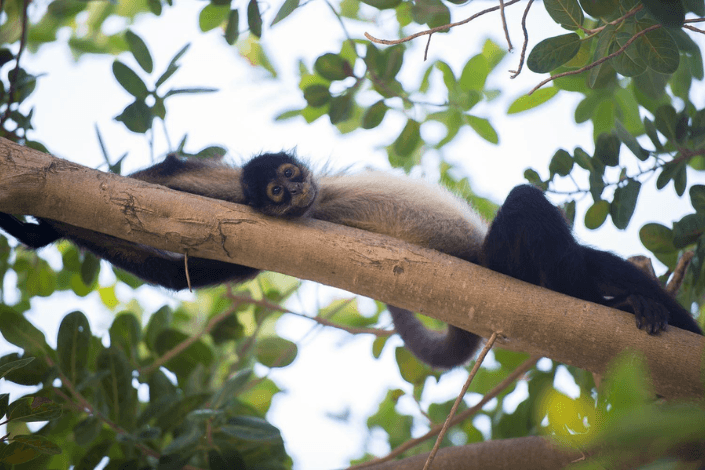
x,y
527,317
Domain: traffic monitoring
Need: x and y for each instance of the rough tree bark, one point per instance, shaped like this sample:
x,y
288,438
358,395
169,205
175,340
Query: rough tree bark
x,y
530,318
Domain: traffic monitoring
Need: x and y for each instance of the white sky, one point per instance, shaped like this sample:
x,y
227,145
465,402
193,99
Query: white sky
x,y
72,98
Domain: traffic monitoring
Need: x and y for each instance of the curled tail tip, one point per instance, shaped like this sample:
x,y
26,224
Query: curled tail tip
x,y
440,350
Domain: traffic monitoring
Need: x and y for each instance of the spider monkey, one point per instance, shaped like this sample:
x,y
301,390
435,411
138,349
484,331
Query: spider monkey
x,y
528,240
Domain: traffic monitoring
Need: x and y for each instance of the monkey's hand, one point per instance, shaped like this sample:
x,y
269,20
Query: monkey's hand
x,y
649,314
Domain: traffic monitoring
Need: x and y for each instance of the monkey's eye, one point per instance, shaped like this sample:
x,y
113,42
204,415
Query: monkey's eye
x,y
289,171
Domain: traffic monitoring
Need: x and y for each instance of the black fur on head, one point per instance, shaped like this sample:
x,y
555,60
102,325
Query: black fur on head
x,y
278,184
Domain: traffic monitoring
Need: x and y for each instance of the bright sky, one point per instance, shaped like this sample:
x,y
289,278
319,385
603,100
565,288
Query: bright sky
x,y
72,98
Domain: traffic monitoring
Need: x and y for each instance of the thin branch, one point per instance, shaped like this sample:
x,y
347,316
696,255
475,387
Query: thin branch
x,y
410,444
188,278
504,25
693,28
515,73
628,14
676,281
176,350
461,395
599,61
436,29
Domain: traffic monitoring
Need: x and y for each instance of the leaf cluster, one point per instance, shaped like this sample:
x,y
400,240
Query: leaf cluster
x,y
146,395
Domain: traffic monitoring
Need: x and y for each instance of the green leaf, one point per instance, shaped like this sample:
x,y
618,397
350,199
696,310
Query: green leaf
x,y
332,67
286,9
566,13
275,352
668,172
430,12
230,389
537,98
657,238
697,197
607,149
232,29
597,214
624,203
629,63
474,73
341,108
561,163
126,333
251,428
129,80
659,50
553,52
254,18
40,443
382,4
533,177
137,117
599,8
139,51
172,67
94,455
212,16
17,330
483,128
116,385
10,366
30,409
190,91
317,95
73,345
412,370
90,267
688,230
4,402
87,431
670,13
665,120
630,141
409,139
374,115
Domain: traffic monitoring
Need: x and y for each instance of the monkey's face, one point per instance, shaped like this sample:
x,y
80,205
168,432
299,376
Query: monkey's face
x,y
278,185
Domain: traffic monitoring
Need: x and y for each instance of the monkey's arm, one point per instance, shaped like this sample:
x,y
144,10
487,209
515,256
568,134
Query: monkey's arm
x,y
205,177
628,288
154,266
530,240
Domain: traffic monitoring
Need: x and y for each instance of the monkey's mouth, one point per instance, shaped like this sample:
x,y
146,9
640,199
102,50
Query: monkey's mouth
x,y
301,203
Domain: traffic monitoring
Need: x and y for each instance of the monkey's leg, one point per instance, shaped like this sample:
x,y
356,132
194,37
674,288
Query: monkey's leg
x,y
160,267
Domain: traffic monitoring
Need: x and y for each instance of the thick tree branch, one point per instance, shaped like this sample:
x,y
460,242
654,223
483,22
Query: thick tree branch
x,y
527,453
529,318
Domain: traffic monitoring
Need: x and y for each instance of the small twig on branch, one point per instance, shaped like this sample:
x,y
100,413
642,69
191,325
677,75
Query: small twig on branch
x,y
597,62
676,281
410,444
619,20
693,28
515,73
445,27
461,395
188,278
504,25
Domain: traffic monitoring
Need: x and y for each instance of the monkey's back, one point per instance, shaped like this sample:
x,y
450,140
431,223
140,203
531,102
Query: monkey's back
x,y
412,210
